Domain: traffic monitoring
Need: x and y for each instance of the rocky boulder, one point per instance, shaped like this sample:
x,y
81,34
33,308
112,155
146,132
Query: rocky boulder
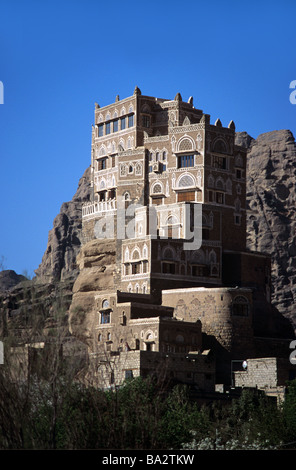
x,y
97,264
9,279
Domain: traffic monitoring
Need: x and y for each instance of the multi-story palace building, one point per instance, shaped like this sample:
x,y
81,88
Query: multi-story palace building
x,y
169,188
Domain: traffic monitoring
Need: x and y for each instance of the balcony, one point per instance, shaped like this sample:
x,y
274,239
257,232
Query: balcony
x,y
98,208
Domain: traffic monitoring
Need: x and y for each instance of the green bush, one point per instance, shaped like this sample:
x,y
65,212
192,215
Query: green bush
x,y
57,413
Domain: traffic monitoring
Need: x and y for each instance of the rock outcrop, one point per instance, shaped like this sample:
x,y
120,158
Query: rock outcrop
x,y
64,239
97,263
271,217
9,279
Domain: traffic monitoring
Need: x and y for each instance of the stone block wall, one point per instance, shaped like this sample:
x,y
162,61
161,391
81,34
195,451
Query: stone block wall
x,y
264,373
214,308
198,369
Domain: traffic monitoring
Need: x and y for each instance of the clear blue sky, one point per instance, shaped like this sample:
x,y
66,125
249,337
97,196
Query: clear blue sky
x,y
58,58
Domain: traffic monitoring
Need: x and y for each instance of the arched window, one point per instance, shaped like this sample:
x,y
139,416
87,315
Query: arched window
x,y
157,188
185,144
136,254
186,181
136,264
240,306
168,254
180,339
211,181
237,205
220,184
198,257
126,255
105,313
123,169
138,169
105,303
102,151
220,146
172,227
213,257
145,252
168,264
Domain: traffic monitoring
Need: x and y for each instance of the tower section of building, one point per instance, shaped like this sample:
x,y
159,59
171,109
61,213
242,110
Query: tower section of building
x,y
159,169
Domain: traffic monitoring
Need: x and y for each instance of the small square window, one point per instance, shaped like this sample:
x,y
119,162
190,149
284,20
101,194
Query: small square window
x,y
102,164
220,162
129,374
168,268
185,161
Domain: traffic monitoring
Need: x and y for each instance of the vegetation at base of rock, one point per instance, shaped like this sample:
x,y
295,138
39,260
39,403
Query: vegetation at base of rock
x,y
60,413
50,407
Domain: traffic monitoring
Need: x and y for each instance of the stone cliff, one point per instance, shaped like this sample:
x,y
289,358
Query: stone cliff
x,y
64,239
271,219
97,263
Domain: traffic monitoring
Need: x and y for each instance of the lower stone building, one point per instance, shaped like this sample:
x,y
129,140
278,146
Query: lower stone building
x,y
269,374
193,368
199,336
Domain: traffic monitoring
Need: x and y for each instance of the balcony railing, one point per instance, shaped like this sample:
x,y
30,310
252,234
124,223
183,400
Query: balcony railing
x,y
90,209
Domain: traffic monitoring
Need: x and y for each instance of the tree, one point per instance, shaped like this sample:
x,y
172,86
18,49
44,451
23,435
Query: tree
x,y
289,412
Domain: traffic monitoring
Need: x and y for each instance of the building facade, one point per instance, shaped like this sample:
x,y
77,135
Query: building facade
x,y
169,188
